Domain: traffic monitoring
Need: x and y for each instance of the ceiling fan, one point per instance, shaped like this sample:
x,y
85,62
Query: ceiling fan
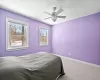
x,y
55,14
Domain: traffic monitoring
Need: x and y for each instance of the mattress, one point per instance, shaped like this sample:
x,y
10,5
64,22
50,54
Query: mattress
x,y
37,66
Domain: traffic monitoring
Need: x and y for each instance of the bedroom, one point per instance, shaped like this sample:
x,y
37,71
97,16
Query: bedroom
x,y
76,39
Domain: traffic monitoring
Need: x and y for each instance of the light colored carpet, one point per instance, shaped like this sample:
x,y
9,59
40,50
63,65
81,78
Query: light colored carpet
x,y
65,77
78,71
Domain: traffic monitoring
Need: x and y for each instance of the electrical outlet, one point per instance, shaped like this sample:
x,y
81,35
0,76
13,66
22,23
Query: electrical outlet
x,y
69,53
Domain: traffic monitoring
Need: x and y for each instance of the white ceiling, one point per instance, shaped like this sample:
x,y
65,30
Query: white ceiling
x,y
35,8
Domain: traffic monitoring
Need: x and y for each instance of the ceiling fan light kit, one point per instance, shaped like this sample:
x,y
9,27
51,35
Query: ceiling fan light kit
x,y
55,15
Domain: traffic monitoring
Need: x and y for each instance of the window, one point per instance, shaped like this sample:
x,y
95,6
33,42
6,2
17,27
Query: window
x,y
16,34
43,36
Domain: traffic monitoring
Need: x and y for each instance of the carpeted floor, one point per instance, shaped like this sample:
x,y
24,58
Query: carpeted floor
x,y
78,71
64,78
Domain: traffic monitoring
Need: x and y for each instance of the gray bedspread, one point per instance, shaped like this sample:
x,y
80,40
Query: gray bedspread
x,y
38,66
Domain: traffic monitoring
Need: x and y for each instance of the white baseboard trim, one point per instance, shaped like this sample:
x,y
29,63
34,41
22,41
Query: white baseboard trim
x,y
79,61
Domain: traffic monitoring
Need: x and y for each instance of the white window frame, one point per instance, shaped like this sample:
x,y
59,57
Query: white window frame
x,y
47,36
8,47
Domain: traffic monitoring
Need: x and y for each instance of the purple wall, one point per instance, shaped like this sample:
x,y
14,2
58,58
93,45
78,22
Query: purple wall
x,y
33,35
80,37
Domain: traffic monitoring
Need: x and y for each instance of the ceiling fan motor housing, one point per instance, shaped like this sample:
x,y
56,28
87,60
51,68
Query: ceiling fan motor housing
x,y
53,14
54,18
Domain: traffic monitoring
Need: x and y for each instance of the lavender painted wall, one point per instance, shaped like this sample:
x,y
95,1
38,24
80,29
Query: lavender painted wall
x,y
80,37
33,35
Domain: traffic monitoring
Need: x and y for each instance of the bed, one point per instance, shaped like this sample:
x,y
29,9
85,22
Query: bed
x,y
37,66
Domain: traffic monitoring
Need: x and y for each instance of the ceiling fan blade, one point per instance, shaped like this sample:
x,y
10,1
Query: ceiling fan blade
x,y
59,11
48,13
61,16
47,18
